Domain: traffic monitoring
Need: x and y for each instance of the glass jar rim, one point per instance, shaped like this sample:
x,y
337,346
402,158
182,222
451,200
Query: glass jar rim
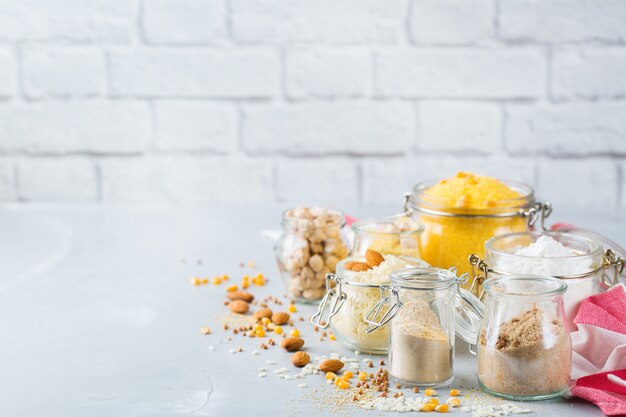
x,y
341,272
595,251
421,201
420,278
553,286
360,226
287,220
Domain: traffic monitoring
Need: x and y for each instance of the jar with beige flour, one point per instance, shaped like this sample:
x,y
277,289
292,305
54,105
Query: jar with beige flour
x,y
425,308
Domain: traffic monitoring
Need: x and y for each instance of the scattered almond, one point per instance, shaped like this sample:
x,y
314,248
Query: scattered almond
x,y
331,365
373,258
300,359
280,317
240,295
291,344
238,306
264,312
358,266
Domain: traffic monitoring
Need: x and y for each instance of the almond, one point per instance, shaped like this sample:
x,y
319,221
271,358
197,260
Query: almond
x,y
331,365
238,306
373,258
349,265
280,318
300,359
291,344
264,312
240,295
358,266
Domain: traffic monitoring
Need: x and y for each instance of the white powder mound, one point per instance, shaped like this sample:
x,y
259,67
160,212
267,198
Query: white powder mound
x,y
545,247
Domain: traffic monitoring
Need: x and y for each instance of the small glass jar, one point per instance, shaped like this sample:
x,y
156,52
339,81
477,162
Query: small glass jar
x,y
394,235
350,295
310,247
582,272
426,308
524,348
451,234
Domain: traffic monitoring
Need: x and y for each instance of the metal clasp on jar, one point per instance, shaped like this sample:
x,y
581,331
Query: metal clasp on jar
x,y
537,211
611,260
386,291
334,298
479,277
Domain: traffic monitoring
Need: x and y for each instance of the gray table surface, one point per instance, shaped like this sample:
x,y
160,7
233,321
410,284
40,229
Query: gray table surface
x,y
98,316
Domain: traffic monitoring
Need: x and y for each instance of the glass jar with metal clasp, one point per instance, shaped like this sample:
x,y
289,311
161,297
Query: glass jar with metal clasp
x,y
349,296
427,307
453,232
585,267
397,235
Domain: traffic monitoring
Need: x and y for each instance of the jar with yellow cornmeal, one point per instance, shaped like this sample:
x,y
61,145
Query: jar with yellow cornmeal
x,y
460,213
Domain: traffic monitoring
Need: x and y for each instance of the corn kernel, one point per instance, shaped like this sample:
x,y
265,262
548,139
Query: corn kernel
x,y
232,288
338,380
196,281
362,376
265,320
343,384
331,375
278,330
292,308
225,277
205,281
433,401
442,408
426,407
332,337
245,285
429,392
455,392
454,402
347,375
295,333
260,333
245,278
217,280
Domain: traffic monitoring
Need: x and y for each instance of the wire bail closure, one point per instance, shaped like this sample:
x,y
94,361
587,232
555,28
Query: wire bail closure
x,y
611,260
539,211
334,299
387,292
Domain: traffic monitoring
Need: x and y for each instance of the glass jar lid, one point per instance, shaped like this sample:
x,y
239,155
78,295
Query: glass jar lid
x,y
394,225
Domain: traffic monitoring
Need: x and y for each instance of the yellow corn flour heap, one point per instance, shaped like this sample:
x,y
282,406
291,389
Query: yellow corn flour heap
x,y
449,240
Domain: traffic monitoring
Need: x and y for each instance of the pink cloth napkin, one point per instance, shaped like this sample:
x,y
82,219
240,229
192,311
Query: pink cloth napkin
x,y
599,351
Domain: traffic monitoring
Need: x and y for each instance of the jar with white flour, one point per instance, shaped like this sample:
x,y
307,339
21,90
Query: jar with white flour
x,y
579,260
425,308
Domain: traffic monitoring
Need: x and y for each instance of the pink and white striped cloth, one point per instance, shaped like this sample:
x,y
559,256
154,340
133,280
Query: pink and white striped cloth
x,y
599,351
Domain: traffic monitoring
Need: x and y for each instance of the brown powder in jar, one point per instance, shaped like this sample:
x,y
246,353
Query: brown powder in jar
x,y
420,352
531,356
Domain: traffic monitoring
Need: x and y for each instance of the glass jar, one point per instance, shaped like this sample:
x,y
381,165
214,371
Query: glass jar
x,y
350,295
524,348
583,272
310,247
426,308
394,235
451,234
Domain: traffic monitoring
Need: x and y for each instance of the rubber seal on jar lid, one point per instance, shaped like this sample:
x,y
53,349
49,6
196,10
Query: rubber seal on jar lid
x,y
468,313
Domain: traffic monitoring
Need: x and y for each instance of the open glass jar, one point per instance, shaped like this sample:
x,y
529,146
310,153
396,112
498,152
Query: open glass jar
x,y
426,309
310,247
583,265
524,349
453,232
394,235
350,295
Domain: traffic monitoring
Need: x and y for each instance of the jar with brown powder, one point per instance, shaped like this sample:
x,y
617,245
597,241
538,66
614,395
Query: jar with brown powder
x,y
524,349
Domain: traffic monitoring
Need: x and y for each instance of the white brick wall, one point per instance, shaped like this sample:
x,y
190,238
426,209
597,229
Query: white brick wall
x,y
332,101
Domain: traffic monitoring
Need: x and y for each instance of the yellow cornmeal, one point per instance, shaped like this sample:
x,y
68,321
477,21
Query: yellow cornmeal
x,y
448,241
471,191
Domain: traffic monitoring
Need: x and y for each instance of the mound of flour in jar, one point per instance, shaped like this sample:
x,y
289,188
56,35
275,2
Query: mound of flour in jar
x,y
547,256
